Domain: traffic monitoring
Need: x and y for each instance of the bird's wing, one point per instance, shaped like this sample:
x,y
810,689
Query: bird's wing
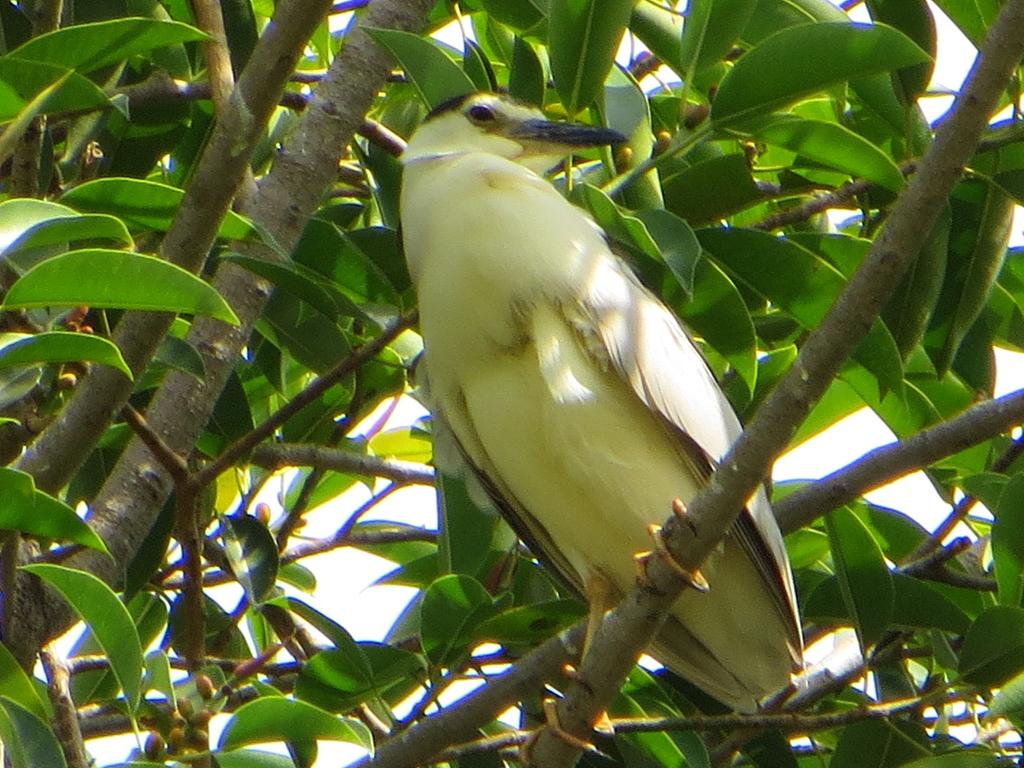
x,y
628,330
466,458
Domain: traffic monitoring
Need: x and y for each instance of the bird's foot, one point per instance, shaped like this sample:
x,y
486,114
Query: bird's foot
x,y
693,579
554,727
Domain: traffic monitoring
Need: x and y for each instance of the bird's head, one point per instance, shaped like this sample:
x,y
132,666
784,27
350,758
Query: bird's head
x,y
500,125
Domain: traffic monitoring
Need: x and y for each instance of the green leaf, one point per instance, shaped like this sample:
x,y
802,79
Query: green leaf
x,y
519,15
804,59
526,80
834,146
916,604
531,623
1008,542
973,17
26,509
252,554
22,81
27,738
145,204
864,579
711,30
993,650
87,47
53,225
107,618
1009,700
879,744
18,686
677,243
276,718
435,76
717,312
711,189
801,283
59,347
99,277
341,679
452,608
15,130
583,37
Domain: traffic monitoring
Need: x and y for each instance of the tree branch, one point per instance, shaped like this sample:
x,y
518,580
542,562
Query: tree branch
x,y
623,634
889,462
135,491
277,455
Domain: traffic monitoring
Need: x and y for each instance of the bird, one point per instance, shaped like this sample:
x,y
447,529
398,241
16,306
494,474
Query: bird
x,y
573,394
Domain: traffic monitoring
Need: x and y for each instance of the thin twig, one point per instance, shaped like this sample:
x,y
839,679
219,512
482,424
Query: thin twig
x,y
346,367
65,713
169,459
278,455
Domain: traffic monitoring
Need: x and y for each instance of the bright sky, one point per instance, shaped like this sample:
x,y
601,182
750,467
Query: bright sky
x,y
346,578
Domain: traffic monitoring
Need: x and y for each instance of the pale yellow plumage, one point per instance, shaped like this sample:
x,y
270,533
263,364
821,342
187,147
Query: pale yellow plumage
x,y
574,392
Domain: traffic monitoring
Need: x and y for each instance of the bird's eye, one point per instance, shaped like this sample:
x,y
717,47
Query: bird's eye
x,y
479,113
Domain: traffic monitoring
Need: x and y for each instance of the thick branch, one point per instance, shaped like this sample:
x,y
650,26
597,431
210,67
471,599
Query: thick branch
x,y
890,462
58,453
137,488
635,621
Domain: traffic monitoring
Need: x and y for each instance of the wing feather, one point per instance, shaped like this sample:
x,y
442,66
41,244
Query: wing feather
x,y
632,333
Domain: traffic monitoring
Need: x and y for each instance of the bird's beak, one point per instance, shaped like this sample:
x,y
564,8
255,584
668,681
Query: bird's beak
x,y
574,135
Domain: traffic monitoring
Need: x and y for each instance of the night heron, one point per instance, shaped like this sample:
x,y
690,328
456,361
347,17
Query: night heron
x,y
574,393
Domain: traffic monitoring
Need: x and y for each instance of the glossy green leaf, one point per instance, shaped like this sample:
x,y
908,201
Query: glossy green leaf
x,y
914,19
22,81
99,277
834,146
59,347
28,740
26,509
276,718
711,189
879,744
87,47
252,554
911,307
56,229
716,311
803,285
105,616
436,77
340,679
916,604
526,80
305,284
452,608
1008,542
18,686
478,68
993,650
145,204
519,15
658,28
978,270
14,130
801,60
583,37
864,579
677,243
531,623
711,30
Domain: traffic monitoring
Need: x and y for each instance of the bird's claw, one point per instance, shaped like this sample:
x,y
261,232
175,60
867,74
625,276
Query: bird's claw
x,y
693,579
552,724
